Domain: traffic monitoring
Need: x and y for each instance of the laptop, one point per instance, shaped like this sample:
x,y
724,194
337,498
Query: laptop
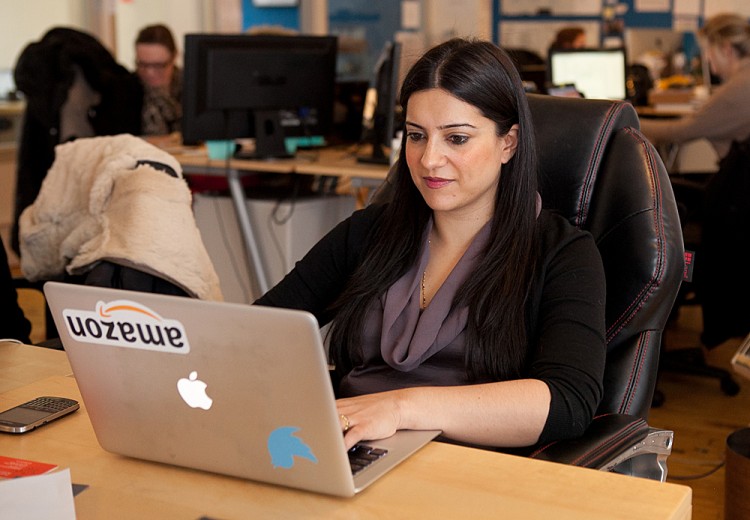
x,y
233,389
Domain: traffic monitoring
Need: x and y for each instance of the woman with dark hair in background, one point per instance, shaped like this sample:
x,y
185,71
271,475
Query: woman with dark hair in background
x,y
460,305
569,38
155,55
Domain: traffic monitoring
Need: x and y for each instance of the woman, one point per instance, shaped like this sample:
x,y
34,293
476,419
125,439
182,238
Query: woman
x,y
569,38
155,54
726,115
460,305
720,207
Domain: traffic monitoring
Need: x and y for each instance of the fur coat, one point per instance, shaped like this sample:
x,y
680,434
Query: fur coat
x,y
98,203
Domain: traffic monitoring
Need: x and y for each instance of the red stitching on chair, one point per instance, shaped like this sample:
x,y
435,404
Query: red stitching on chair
x,y
628,314
635,372
595,159
612,440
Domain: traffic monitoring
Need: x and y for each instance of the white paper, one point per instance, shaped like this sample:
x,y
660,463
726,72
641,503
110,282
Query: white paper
x,y
656,6
712,7
686,7
42,497
411,14
555,7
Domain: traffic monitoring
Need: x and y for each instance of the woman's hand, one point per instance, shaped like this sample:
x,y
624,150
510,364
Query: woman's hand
x,y
369,417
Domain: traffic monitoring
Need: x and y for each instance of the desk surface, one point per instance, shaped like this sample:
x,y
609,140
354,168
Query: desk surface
x,y
440,481
337,162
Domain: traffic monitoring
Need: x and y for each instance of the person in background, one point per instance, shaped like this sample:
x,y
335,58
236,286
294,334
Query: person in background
x,y
569,38
483,316
155,55
722,205
13,323
725,116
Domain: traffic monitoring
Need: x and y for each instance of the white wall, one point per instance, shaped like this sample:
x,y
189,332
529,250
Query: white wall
x,y
181,16
27,20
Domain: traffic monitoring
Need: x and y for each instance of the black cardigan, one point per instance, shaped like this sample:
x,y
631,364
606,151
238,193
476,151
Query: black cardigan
x,y
566,309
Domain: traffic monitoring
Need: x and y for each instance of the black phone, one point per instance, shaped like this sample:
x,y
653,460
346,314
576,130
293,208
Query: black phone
x,y
35,413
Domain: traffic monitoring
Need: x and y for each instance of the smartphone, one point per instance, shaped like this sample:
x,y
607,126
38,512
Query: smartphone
x,y
39,411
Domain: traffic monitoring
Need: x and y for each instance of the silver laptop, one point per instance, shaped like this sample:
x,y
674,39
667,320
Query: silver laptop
x,y
234,389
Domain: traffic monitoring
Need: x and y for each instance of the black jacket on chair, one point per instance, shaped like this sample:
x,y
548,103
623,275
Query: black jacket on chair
x,y
44,73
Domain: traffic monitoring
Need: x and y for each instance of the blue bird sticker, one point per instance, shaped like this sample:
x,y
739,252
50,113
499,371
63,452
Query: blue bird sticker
x,y
283,446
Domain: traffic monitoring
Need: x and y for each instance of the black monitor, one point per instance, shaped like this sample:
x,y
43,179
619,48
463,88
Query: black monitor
x,y
596,73
262,86
380,108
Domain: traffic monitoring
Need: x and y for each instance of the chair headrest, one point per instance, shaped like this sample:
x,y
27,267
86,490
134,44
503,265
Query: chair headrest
x,y
572,135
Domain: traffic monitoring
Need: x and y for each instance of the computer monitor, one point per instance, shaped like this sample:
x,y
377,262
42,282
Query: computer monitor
x,y
640,42
596,73
381,106
264,86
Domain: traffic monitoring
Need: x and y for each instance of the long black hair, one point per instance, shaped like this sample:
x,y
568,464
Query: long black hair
x,y
481,74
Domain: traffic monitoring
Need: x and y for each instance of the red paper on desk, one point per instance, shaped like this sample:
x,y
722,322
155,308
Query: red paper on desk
x,y
14,468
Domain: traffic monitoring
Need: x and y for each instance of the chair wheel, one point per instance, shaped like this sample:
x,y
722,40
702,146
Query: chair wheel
x,y
729,386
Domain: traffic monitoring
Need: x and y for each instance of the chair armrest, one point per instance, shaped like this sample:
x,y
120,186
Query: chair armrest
x,y
606,437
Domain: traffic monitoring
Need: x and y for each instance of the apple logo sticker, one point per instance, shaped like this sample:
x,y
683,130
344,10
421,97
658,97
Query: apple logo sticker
x,y
193,391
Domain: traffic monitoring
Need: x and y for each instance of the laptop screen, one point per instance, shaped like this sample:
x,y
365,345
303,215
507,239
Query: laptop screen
x,y
596,73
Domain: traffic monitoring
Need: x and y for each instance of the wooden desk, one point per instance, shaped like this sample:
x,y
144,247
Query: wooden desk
x,y
24,364
440,481
332,162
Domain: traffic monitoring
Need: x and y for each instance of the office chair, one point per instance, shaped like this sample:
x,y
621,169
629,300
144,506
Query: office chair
x,y
114,211
599,171
606,178
72,87
531,67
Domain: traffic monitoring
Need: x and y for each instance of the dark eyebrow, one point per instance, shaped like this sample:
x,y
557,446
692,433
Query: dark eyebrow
x,y
443,127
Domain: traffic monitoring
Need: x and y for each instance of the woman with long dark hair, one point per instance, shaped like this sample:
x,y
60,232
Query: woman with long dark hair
x,y
460,304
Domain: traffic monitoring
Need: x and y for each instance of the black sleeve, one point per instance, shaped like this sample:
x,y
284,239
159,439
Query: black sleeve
x,y
322,274
570,329
13,323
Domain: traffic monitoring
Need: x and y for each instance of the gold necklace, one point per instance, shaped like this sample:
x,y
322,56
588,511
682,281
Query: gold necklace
x,y
424,275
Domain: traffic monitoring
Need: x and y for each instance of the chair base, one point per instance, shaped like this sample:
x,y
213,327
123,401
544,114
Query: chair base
x,y
647,458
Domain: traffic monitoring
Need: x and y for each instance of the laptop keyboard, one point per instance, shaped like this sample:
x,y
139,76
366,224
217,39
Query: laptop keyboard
x,y
362,455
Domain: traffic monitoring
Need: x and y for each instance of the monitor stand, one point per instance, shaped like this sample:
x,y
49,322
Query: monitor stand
x,y
269,138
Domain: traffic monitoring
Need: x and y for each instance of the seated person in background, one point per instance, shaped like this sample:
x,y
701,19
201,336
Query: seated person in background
x,y
13,323
721,279
569,38
460,304
726,115
155,55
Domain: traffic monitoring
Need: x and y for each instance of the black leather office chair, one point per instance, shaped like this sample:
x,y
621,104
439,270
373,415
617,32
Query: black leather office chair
x,y
605,177
599,171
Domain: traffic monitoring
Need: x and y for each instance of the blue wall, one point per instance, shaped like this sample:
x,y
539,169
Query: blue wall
x,y
284,16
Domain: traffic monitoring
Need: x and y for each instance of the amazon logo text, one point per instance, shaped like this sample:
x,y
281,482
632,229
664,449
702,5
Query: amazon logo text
x,y
124,323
